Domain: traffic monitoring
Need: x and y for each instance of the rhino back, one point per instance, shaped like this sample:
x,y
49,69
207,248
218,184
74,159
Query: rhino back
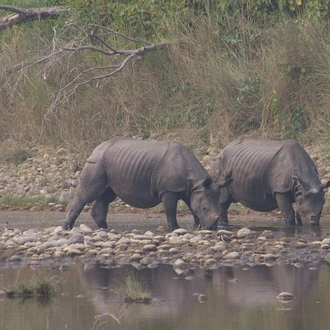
x,y
140,171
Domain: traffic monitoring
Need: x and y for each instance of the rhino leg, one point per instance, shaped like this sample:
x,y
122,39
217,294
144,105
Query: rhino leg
x,y
100,207
197,224
298,219
170,202
91,186
223,217
75,208
285,206
224,202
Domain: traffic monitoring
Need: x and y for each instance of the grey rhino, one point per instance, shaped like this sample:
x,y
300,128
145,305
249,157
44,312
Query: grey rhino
x,y
144,174
270,174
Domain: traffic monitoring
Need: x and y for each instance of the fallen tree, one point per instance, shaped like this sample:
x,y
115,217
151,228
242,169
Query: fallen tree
x,y
22,15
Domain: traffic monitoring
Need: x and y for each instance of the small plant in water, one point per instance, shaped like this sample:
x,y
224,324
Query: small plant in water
x,y
40,289
132,291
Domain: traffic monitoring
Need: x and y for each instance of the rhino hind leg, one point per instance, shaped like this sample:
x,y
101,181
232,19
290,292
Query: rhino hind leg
x,y
75,207
100,207
170,202
91,186
285,206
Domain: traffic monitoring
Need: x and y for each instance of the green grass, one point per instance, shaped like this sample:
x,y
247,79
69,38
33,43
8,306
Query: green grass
x,y
25,202
132,291
37,288
222,78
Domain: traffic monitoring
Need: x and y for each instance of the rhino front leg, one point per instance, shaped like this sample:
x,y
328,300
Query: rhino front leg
x,y
223,219
285,206
298,219
100,208
197,224
224,202
170,202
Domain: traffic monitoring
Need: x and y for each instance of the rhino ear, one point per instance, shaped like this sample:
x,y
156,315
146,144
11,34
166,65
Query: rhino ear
x,y
226,183
207,182
325,185
299,183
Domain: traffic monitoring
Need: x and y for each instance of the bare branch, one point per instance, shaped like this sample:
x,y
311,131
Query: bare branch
x,y
121,58
68,42
23,15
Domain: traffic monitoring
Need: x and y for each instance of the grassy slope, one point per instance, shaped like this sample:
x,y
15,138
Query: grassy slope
x,y
218,79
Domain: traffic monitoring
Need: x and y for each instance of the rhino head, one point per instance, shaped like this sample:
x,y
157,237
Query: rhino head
x,y
309,200
204,201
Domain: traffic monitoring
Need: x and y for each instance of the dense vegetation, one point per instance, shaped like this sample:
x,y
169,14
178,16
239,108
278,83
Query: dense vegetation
x,y
232,68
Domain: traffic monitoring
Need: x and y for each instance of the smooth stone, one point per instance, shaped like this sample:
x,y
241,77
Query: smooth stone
x,y
176,240
76,238
180,231
179,263
224,232
243,232
219,247
326,241
149,247
285,296
231,255
135,257
85,229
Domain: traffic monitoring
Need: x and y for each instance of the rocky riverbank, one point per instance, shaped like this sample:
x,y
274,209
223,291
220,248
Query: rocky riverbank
x,y
52,175
180,248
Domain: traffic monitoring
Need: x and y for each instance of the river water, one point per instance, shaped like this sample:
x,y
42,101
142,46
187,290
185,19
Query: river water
x,y
87,296
243,298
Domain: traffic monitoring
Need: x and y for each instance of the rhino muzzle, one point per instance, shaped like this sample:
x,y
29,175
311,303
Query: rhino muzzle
x,y
212,225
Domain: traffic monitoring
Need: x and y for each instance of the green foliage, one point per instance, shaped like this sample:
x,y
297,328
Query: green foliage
x,y
25,202
132,291
231,68
37,288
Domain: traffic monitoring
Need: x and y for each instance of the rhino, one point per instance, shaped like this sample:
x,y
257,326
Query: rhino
x,y
144,174
270,174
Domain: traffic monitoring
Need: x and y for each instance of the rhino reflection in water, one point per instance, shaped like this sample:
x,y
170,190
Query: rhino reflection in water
x,y
259,286
144,174
254,288
173,296
268,175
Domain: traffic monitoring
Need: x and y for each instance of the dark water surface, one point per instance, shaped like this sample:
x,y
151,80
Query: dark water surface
x,y
87,295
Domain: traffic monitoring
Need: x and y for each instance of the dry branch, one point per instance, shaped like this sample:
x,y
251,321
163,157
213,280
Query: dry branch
x,y
97,43
22,15
70,39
